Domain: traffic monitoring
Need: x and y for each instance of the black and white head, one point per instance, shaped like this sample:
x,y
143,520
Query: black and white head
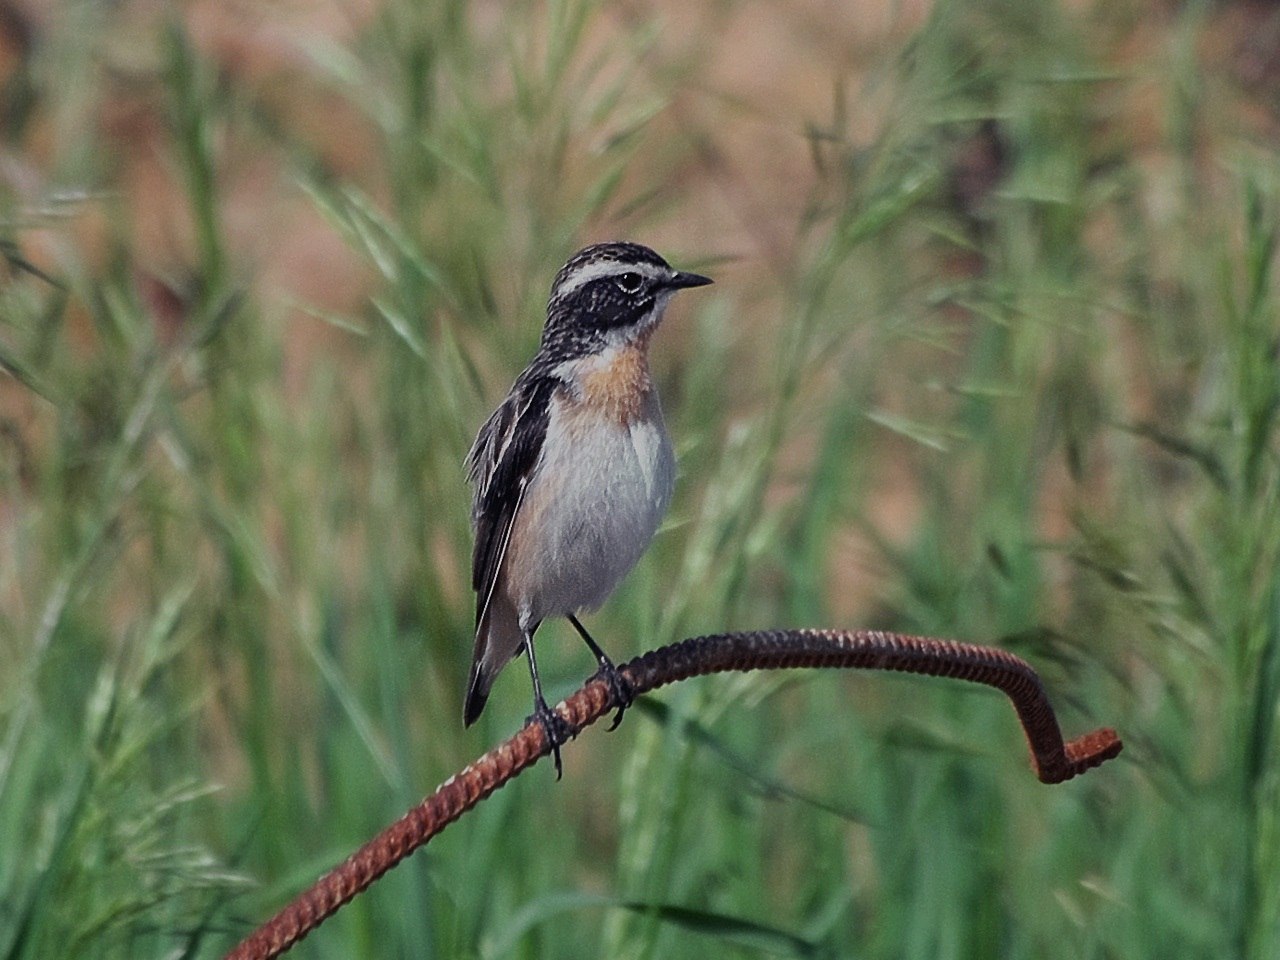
x,y
610,293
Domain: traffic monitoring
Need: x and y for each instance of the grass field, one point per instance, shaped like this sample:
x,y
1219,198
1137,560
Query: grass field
x,y
992,355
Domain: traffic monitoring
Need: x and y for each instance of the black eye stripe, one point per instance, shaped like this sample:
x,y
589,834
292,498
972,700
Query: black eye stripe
x,y
609,307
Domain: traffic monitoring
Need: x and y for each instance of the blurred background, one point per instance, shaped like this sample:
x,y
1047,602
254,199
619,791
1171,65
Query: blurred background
x,y
991,355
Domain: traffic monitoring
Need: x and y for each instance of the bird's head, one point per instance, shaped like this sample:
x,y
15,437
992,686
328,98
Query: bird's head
x,y
611,293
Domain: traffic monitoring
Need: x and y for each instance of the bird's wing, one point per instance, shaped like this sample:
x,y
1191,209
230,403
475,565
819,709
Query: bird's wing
x,y
501,462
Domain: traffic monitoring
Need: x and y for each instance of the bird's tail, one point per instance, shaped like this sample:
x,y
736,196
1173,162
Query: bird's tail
x,y
498,639
477,692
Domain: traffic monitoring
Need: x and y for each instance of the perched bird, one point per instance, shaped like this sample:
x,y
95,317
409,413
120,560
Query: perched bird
x,y
573,472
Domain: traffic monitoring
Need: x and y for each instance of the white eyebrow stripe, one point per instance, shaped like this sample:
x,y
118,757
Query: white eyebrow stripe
x,y
605,268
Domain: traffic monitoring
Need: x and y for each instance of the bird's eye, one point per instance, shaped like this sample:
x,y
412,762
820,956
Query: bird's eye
x,y
629,282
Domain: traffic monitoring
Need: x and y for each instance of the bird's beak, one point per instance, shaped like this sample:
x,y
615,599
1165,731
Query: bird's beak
x,y
679,280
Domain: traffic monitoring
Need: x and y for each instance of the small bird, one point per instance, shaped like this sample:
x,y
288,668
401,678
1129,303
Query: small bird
x,y
574,470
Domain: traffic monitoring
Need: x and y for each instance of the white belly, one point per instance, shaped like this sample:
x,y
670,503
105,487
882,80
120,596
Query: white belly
x,y
590,511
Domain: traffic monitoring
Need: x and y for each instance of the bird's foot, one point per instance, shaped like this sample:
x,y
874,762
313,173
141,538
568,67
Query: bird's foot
x,y
554,726
620,689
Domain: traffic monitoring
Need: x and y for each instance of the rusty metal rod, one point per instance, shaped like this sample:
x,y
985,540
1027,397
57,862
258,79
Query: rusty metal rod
x,y
1054,760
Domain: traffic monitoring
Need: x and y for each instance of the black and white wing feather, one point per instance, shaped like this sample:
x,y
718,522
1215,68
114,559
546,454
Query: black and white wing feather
x,y
501,463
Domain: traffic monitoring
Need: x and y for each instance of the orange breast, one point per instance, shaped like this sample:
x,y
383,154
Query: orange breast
x,y
618,385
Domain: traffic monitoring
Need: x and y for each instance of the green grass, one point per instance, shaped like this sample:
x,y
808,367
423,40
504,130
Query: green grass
x,y
1011,378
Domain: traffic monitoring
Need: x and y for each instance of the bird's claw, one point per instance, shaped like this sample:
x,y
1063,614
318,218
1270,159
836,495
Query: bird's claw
x,y
620,689
555,727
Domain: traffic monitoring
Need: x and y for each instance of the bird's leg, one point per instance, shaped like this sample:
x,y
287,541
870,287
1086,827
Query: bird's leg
x,y
553,725
621,690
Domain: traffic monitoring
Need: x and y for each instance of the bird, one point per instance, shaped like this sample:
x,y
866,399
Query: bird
x,y
573,471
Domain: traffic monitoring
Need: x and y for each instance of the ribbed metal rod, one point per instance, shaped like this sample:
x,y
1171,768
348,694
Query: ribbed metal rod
x,y
1054,760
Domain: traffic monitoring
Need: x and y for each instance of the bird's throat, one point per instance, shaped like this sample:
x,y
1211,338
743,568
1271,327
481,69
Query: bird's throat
x,y
616,382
